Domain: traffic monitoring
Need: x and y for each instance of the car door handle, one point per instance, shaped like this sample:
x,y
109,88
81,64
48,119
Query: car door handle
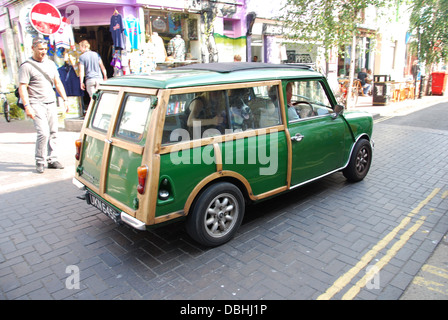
x,y
298,137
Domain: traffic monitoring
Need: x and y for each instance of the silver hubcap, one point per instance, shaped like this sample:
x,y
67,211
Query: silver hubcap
x,y
221,215
362,160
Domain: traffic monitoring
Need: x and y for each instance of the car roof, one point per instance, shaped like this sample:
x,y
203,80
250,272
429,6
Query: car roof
x,y
214,73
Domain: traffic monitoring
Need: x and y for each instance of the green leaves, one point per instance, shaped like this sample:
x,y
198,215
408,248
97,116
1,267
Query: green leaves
x,y
429,27
328,22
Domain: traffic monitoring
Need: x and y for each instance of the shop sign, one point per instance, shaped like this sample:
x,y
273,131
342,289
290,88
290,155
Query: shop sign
x,y
272,29
159,24
45,18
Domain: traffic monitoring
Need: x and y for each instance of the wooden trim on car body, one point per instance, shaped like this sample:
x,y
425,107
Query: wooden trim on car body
x,y
153,149
216,141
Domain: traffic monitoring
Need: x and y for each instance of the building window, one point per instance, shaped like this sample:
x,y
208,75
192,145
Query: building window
x,y
228,25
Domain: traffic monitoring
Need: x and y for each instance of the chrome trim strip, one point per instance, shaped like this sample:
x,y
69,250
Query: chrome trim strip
x,y
326,174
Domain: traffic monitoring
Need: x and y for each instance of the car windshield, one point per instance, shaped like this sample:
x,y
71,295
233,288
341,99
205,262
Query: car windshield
x,y
311,91
307,99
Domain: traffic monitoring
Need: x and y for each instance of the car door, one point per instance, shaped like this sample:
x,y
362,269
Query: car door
x,y
317,136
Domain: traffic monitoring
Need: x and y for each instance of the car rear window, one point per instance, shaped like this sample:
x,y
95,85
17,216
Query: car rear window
x,y
103,111
134,117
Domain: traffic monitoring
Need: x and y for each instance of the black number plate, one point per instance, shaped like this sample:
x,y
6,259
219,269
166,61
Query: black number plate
x,y
103,207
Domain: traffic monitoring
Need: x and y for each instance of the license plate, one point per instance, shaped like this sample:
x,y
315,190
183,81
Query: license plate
x,y
103,207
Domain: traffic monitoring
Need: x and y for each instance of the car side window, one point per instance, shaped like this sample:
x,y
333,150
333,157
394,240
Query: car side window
x,y
192,116
259,107
307,99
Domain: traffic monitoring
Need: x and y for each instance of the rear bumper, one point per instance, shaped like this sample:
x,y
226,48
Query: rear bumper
x,y
117,218
133,222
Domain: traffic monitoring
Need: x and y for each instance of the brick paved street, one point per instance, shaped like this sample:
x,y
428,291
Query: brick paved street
x,y
293,247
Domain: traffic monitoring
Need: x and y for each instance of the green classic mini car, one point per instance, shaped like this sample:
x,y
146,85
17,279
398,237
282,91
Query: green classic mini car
x,y
201,142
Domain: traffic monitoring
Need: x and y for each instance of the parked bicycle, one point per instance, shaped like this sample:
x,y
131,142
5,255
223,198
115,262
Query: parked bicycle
x,y
5,104
356,91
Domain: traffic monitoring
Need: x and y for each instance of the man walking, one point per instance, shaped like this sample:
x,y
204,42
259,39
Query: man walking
x,y
37,76
90,66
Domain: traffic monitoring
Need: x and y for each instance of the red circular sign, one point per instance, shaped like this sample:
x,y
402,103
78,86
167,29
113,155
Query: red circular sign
x,y
45,18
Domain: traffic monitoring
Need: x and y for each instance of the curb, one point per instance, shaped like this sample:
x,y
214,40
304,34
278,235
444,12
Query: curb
x,y
399,108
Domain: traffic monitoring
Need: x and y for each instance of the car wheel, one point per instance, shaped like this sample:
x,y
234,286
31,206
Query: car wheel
x,y
216,215
360,161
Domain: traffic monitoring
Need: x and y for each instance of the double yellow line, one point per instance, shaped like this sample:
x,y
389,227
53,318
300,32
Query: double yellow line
x,y
383,119
345,279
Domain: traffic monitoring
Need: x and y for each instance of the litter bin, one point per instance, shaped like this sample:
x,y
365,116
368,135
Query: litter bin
x,y
381,90
438,83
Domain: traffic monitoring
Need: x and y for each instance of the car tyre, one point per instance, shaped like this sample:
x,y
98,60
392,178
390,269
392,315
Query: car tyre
x,y
360,161
216,215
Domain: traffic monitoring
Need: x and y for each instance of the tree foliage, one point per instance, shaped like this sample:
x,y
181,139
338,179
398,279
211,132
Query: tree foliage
x,y
331,23
429,26
328,23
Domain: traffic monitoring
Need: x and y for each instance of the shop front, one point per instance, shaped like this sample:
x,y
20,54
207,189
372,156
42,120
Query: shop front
x,y
9,49
124,35
267,43
131,36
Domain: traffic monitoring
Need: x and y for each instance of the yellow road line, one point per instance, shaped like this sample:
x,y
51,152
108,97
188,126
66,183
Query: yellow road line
x,y
430,285
345,279
435,270
382,119
384,260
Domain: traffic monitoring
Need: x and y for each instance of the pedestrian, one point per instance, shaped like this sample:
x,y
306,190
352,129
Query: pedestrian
x,y
90,67
362,76
237,58
37,76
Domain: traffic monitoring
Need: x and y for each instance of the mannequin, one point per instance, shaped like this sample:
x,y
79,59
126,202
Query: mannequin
x,y
176,48
159,47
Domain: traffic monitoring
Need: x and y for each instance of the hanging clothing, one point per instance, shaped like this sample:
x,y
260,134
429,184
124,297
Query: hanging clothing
x,y
64,37
70,81
133,31
148,57
117,31
71,57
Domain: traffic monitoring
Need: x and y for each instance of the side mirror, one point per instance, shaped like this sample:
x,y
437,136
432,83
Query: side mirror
x,y
338,109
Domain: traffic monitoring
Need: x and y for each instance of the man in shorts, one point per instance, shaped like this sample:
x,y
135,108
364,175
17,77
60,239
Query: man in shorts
x,y
90,67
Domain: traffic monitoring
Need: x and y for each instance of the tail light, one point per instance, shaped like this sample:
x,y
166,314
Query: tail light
x,y
78,144
142,173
